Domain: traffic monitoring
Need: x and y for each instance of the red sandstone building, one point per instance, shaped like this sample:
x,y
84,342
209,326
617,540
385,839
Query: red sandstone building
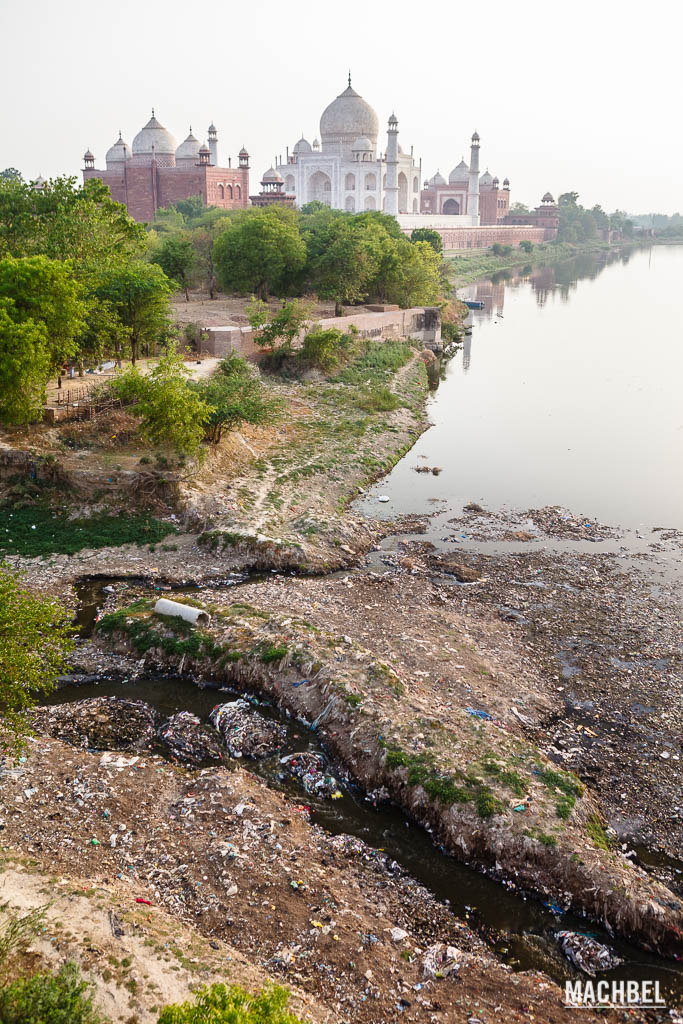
x,y
156,172
272,191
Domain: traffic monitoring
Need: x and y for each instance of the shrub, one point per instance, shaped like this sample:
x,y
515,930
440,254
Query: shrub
x,y
65,998
321,348
379,400
232,1005
526,245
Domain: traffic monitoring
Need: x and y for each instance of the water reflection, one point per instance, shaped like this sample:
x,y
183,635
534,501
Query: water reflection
x,y
553,279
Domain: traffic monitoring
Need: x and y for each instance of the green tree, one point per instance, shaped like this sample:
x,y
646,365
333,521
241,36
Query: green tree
x,y
41,313
191,208
526,246
261,252
10,174
343,262
138,293
278,330
35,642
176,257
234,395
202,240
428,235
415,279
173,414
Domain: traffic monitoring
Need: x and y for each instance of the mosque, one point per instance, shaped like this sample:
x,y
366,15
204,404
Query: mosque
x,y
155,171
344,170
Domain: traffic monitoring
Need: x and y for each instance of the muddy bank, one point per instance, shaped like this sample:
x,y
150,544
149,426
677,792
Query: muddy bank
x,y
462,777
242,869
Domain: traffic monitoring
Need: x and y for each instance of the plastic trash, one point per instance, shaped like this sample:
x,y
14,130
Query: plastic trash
x,y
586,953
476,713
245,732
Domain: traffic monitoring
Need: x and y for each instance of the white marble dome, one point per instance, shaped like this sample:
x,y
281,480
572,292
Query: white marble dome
x,y
486,178
348,118
155,140
302,146
271,175
362,145
437,179
118,153
188,150
459,173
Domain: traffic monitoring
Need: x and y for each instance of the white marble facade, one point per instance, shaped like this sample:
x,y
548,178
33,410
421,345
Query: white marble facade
x,y
344,170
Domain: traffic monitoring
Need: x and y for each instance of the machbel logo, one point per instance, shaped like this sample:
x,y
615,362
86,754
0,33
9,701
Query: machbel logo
x,y
583,994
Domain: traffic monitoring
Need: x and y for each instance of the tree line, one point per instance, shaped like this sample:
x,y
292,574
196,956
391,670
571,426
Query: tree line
x,y
80,281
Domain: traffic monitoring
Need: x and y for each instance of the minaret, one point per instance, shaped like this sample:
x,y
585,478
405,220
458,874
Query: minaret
x,y
473,191
391,200
213,144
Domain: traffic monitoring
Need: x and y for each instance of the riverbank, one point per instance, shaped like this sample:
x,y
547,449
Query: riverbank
x,y
469,267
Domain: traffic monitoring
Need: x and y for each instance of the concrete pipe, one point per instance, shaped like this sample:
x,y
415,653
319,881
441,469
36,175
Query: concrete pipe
x,y
196,616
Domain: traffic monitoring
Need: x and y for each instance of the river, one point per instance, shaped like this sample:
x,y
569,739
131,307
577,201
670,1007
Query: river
x,y
567,392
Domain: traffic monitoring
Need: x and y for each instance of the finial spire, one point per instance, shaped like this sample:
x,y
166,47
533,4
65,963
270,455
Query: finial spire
x,y
152,111
349,78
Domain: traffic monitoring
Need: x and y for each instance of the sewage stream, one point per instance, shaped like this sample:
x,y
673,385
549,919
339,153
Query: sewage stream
x,y
519,929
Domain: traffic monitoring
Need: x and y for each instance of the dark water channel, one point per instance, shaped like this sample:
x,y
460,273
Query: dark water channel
x,y
520,929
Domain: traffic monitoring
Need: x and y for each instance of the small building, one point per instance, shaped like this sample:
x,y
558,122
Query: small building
x,y
155,172
272,191
545,216
467,193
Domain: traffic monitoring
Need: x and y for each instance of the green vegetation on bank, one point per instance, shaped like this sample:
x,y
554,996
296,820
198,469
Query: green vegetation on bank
x,y
36,530
35,641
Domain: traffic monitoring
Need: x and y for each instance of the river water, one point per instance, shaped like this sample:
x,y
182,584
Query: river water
x,y
567,392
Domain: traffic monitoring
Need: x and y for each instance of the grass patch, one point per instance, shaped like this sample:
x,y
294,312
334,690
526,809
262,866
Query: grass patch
x,y
566,782
381,399
596,831
506,777
273,653
36,531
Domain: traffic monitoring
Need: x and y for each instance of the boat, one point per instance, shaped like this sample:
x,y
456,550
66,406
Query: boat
x,y
473,304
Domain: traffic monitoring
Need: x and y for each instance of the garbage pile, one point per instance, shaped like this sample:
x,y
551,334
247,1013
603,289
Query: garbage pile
x,y
99,723
589,955
189,740
245,732
309,768
441,960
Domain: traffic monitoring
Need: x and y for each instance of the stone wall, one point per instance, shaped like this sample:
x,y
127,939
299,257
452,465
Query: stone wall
x,y
420,322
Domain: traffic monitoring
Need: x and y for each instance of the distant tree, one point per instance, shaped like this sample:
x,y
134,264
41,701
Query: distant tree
x,y
10,174
280,329
41,313
428,235
139,292
526,246
173,415
176,256
262,252
234,395
35,641
519,208
191,208
568,199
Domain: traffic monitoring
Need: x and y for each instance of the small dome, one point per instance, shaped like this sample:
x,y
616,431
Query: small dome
x,y
243,152
119,152
189,149
459,173
496,182
362,145
212,128
486,178
506,183
437,179
302,146
154,138
547,198
39,182
88,155
475,137
348,117
272,175
204,149
316,143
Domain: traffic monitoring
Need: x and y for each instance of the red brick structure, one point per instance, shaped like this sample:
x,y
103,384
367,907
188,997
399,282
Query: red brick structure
x,y
272,191
545,217
156,172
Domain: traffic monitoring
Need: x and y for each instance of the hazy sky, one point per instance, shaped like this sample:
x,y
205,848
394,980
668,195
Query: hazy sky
x,y
581,96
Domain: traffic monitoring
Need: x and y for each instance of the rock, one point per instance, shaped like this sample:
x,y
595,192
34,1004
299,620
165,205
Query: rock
x,y
99,723
586,953
310,769
245,732
450,564
189,740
